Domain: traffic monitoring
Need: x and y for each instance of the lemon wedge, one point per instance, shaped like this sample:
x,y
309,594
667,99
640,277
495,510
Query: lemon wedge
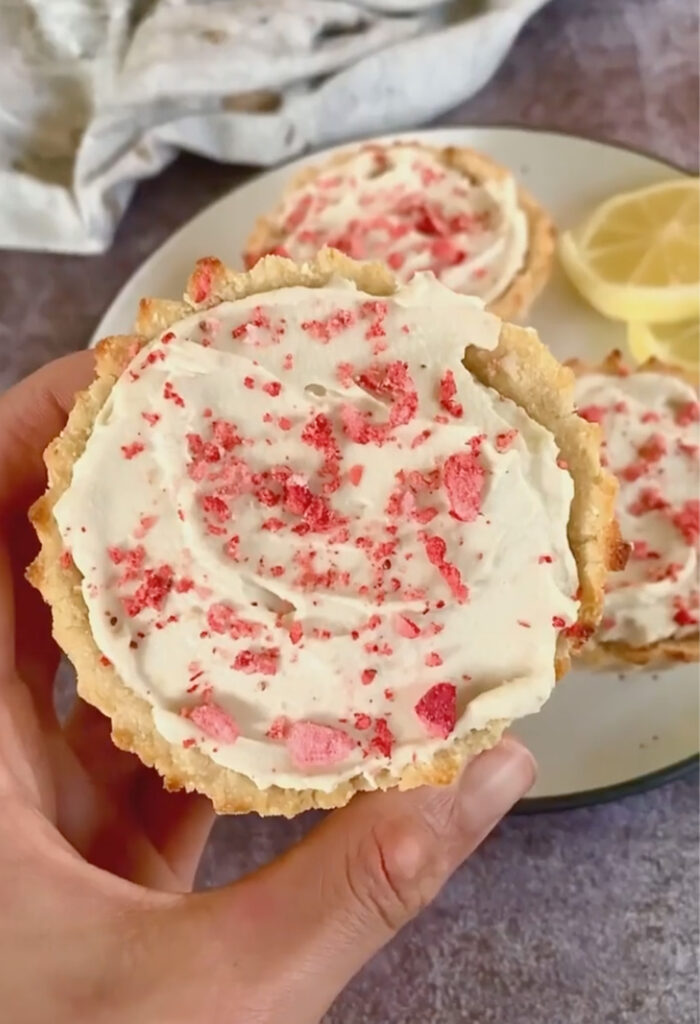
x,y
637,257
678,344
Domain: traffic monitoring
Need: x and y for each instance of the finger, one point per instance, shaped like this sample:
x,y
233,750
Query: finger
x,y
176,824
31,414
325,908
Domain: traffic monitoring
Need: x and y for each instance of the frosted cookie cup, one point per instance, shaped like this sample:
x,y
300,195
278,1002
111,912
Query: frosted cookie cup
x,y
296,549
650,419
451,211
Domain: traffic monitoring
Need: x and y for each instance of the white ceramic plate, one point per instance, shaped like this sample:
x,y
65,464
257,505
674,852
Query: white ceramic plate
x,y
600,735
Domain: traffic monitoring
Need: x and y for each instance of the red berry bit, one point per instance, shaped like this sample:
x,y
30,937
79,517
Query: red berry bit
x,y
446,394
65,560
311,745
130,451
171,395
437,709
464,476
151,418
406,627
649,500
687,520
634,471
264,661
505,440
279,728
593,413
654,448
362,721
223,619
558,622
688,414
152,592
213,721
368,675
382,743
436,549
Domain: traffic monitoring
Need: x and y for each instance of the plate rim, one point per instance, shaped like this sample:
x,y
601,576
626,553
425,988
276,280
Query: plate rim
x,y
528,805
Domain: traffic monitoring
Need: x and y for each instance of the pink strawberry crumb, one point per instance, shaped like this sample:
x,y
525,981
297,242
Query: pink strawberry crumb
x,y
437,709
130,451
312,745
463,476
214,722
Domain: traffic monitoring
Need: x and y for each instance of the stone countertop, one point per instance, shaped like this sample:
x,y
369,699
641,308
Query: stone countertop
x,y
581,917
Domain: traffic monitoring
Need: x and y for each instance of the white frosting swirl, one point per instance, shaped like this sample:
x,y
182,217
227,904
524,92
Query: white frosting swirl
x,y
650,422
401,205
313,542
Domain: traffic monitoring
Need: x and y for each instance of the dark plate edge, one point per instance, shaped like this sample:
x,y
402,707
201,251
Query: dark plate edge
x,y
605,794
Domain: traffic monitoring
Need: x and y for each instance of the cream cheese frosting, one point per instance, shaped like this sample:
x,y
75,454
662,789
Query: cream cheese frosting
x,y
400,204
314,542
650,422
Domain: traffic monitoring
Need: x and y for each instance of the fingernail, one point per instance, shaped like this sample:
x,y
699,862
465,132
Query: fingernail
x,y
495,780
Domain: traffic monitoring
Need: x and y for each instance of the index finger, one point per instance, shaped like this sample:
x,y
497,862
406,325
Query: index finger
x,y
32,413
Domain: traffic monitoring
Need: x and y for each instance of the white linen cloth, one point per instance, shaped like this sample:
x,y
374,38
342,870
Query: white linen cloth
x,y
96,94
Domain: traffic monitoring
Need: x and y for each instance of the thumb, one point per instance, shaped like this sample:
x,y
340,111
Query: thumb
x,y
361,875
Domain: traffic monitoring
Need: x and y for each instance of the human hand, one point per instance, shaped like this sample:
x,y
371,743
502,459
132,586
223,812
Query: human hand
x,y
97,860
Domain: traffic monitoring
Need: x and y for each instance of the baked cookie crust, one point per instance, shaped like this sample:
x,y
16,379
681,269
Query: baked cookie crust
x,y
515,301
521,368
670,650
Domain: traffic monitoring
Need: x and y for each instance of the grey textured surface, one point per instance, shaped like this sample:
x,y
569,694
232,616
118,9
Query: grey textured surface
x,y
585,917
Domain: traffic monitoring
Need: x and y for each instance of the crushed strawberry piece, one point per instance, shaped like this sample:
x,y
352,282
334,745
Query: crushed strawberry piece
x,y
688,414
687,520
296,632
355,475
264,661
368,675
593,413
214,722
545,560
436,549
131,559
279,728
654,448
152,592
171,395
65,560
272,388
464,477
362,721
433,659
151,418
406,627
383,740
446,394
634,471
558,622
223,619
505,440
649,500
130,451
437,709
312,745
225,434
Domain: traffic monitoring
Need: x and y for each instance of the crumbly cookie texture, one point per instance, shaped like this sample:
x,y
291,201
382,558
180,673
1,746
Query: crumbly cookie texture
x,y
643,479
537,238
520,368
